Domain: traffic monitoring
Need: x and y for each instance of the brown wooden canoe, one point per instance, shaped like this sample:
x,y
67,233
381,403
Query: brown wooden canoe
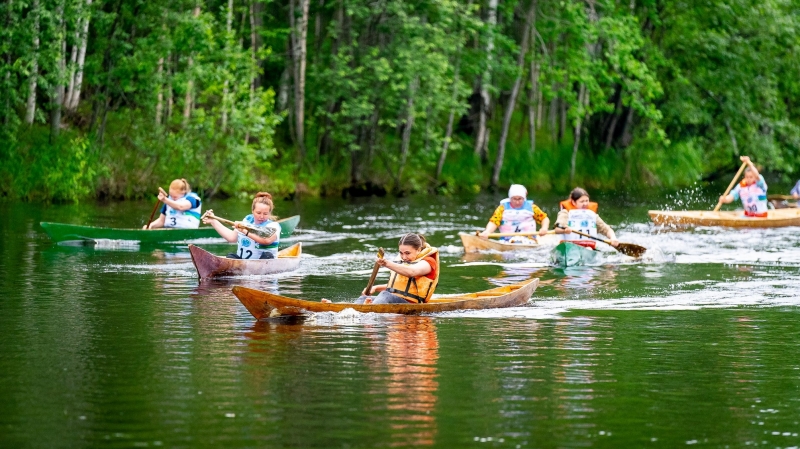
x,y
473,243
734,219
265,305
209,265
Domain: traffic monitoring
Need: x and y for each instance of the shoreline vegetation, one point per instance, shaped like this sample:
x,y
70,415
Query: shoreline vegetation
x,y
109,99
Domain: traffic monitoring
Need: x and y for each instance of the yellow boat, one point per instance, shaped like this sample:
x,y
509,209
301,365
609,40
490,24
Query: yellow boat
x,y
263,304
472,243
777,218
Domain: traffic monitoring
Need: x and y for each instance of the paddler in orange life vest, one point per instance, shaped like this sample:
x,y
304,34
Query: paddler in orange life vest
x,y
752,191
580,214
413,279
517,214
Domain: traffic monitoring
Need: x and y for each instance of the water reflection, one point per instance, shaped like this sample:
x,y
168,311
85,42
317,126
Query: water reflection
x,y
412,350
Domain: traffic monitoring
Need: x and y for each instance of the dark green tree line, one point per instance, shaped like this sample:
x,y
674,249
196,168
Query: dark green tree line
x,y
112,97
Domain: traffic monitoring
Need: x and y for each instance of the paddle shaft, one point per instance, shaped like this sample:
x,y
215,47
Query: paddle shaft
x,y
374,273
730,186
155,208
780,197
517,234
264,232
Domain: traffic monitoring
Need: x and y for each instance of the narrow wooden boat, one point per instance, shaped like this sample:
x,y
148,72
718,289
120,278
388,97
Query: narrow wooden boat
x,y
263,304
209,265
734,219
60,232
473,243
567,254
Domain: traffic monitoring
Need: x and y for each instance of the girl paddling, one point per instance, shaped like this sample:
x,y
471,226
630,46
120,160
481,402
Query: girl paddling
x,y
181,207
413,279
251,246
580,214
752,191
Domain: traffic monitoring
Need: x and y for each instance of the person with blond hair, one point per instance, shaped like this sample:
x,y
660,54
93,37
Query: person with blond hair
x,y
181,208
249,245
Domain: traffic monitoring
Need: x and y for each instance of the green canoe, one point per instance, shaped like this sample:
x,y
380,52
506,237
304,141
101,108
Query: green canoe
x,y
569,255
60,232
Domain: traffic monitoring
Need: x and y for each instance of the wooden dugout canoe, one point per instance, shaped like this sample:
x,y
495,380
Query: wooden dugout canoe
x,y
60,232
263,304
209,265
473,243
567,254
735,219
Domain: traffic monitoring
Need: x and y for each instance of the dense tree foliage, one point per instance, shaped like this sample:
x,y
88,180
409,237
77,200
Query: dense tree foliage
x,y
112,97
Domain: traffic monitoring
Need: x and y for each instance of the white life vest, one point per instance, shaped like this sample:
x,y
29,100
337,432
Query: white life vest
x,y
189,219
517,220
247,248
583,220
754,197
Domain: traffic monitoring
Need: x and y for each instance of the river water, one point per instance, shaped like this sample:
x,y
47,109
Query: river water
x,y
118,345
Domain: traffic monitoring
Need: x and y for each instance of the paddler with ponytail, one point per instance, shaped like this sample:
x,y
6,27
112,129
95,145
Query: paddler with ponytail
x,y
752,191
517,214
580,214
181,208
251,246
413,279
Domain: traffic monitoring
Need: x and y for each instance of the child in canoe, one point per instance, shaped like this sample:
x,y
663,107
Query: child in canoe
x,y
752,191
517,214
413,279
181,208
580,214
251,246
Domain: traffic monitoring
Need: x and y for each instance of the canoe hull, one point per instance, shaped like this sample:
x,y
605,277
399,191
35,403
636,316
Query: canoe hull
x,y
567,254
735,219
60,232
211,266
473,243
263,304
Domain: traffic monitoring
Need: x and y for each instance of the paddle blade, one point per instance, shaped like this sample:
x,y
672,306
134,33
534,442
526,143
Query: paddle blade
x,y
629,249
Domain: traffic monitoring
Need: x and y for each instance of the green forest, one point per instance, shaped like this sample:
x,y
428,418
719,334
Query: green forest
x,y
111,98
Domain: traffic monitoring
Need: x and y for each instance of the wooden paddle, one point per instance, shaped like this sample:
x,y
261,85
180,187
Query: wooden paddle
x,y
374,272
261,232
150,220
629,249
730,186
514,234
780,197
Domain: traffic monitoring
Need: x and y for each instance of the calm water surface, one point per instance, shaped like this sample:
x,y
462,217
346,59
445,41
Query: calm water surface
x,y
118,345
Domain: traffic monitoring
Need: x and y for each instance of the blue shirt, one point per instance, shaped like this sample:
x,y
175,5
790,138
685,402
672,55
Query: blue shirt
x,y
796,189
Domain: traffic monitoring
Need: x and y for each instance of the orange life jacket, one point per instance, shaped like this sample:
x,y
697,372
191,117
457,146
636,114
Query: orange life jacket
x,y
567,204
415,289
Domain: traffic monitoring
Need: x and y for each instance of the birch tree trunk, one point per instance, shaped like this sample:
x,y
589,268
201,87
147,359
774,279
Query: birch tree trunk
x,y
481,140
7,76
255,23
168,86
228,38
30,110
189,99
582,100
160,91
412,91
57,95
448,134
73,59
533,94
512,102
73,98
299,33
